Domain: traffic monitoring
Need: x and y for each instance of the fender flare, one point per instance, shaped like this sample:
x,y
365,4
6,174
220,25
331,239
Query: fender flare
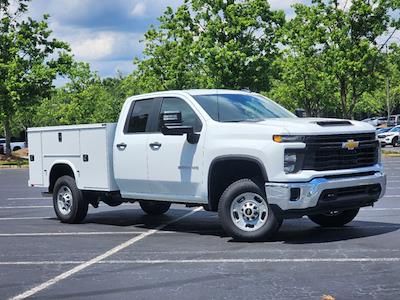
x,y
241,157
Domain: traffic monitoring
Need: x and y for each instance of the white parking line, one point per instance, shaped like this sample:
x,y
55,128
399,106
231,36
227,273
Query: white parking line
x,y
97,259
26,206
33,263
379,208
28,198
24,218
194,261
72,233
253,260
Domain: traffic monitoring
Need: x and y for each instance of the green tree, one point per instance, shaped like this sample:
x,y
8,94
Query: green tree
x,y
212,43
28,62
303,81
85,98
347,41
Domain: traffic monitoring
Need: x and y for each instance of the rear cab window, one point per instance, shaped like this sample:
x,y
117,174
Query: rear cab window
x,y
139,116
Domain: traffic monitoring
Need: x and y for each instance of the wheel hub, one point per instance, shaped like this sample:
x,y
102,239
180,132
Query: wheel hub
x,y
249,211
64,200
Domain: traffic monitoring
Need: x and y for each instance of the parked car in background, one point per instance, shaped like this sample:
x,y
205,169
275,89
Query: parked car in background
x,y
383,130
376,121
14,145
390,137
394,120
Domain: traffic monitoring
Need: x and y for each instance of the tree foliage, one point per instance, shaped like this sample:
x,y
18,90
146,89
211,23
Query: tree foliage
x,y
212,44
84,99
330,44
28,61
328,58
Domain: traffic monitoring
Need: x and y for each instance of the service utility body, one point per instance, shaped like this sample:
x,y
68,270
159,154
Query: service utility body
x,y
233,152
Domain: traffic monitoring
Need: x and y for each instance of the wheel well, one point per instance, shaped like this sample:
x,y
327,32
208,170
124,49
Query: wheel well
x,y
223,172
57,171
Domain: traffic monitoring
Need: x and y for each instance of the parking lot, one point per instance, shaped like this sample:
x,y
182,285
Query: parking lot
x,y
120,253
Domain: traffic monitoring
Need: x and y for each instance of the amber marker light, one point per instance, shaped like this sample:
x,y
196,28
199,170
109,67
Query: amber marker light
x,y
277,138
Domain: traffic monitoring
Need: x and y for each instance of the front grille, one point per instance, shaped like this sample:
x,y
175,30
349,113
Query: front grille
x,y
325,152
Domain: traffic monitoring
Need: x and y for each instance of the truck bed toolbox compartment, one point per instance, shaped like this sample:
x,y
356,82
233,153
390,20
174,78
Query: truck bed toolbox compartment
x,y
87,149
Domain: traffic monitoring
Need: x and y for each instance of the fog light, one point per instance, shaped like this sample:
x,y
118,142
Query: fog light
x,y
294,194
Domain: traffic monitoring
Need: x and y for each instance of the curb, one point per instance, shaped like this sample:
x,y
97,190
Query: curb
x,y
13,167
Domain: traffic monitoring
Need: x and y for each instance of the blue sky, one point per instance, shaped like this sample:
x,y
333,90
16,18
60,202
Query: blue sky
x,y
106,33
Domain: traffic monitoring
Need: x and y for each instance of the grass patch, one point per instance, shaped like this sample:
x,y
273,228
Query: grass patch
x,y
389,153
19,163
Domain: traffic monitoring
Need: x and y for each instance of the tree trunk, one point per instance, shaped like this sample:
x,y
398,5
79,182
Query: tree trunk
x,y
7,132
343,98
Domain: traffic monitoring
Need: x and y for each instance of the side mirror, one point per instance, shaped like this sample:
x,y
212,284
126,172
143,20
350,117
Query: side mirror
x,y
301,113
171,124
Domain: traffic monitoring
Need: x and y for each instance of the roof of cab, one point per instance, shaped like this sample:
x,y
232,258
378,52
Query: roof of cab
x,y
192,92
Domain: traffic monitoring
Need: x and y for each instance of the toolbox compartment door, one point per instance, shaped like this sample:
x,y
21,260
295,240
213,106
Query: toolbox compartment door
x,y
35,159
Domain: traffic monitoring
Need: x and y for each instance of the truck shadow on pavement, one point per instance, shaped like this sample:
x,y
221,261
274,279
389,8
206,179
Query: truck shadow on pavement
x,y
293,231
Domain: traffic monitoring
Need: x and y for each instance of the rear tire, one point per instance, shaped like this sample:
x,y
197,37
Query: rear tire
x,y
337,219
68,201
244,212
154,207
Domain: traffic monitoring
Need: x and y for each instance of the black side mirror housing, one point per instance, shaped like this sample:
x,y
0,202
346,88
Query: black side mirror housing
x,y
300,112
171,124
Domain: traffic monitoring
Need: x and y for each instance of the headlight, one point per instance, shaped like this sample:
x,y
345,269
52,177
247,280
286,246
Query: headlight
x,y
288,138
290,160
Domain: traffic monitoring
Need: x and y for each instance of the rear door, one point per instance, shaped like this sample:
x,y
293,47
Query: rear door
x,y
176,166
131,150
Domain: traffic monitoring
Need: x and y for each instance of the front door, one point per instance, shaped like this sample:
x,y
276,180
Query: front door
x,y
176,166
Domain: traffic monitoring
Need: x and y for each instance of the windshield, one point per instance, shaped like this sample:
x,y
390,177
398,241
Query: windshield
x,y
394,129
241,107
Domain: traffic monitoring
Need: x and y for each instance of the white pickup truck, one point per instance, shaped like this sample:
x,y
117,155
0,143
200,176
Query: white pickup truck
x,y
14,146
232,152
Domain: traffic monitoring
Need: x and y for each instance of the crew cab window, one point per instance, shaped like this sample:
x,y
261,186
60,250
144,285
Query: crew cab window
x,y
189,117
139,116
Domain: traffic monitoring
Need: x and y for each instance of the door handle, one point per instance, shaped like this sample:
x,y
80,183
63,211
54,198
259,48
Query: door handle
x,y
155,146
121,146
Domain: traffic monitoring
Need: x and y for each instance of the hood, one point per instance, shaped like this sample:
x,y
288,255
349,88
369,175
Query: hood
x,y
387,133
313,126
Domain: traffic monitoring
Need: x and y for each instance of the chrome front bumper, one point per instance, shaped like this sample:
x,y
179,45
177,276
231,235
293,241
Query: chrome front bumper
x,y
310,192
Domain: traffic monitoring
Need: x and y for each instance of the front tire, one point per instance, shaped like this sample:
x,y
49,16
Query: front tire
x,y
154,207
244,212
395,141
68,201
335,219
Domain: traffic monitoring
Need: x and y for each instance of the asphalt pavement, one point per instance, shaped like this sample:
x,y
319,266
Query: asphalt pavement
x,y
121,253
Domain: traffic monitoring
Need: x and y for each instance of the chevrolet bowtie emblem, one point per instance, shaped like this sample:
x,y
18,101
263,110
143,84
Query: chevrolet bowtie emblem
x,y
350,145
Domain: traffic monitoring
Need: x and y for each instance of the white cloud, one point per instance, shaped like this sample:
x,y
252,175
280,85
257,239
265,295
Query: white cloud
x,y
94,48
139,9
108,45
